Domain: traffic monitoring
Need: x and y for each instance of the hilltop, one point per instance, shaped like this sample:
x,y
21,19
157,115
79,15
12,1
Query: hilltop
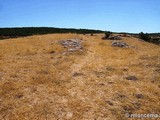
x,y
41,79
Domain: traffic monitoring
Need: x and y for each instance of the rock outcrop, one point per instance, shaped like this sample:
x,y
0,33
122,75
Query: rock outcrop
x,y
120,44
72,44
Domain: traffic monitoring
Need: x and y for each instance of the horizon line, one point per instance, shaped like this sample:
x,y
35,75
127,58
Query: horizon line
x,y
77,29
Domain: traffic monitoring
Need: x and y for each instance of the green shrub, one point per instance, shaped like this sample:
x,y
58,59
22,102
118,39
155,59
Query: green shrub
x,y
107,35
145,37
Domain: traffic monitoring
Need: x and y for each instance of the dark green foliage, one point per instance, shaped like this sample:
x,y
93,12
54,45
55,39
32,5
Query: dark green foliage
x,y
152,37
145,37
154,34
107,34
27,31
156,40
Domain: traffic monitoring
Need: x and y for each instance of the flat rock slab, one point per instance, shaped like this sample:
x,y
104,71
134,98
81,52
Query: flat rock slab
x,y
72,44
120,44
115,38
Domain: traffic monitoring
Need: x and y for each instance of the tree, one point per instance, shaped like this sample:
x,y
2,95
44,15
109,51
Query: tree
x,y
107,35
145,37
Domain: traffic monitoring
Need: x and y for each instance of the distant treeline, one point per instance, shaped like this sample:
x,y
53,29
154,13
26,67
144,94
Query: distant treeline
x,y
154,34
150,34
152,37
27,31
148,37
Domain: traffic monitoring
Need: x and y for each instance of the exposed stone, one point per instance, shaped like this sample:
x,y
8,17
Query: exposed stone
x,y
110,82
115,38
119,96
52,52
128,109
111,37
139,96
72,45
102,84
19,96
125,69
110,103
120,44
132,78
77,74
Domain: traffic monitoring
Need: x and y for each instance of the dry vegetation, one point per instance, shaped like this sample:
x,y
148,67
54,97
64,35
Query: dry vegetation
x,y
39,82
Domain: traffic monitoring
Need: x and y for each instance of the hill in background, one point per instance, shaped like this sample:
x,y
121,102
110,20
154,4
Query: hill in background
x,y
6,33
28,31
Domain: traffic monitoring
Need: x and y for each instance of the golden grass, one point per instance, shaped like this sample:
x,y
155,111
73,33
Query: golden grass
x,y
37,79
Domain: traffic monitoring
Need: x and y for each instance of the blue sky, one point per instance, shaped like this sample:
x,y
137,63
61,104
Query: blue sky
x,y
113,15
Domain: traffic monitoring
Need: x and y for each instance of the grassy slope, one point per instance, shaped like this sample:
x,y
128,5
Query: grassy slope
x,y
36,83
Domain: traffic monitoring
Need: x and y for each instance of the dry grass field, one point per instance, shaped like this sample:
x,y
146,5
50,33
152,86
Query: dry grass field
x,y
38,81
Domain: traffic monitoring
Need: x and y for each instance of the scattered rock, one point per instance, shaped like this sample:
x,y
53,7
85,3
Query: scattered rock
x,y
115,37
110,82
139,96
77,74
19,96
128,109
125,69
72,45
109,36
158,70
132,78
120,44
120,96
102,84
52,52
109,102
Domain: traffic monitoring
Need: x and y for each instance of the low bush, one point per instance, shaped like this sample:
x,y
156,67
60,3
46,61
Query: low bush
x,y
145,37
107,35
